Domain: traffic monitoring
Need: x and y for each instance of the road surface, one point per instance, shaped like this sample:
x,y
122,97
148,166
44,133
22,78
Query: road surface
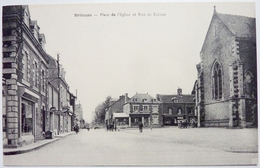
x,y
158,147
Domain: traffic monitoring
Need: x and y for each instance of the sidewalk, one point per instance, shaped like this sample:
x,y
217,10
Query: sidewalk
x,y
34,146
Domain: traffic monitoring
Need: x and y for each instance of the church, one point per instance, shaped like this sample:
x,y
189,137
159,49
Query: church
x,y
226,85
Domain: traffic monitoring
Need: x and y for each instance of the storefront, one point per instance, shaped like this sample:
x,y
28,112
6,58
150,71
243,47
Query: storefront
x,y
137,118
172,120
70,114
121,119
27,118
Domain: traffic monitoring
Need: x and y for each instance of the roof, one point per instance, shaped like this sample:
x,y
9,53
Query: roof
x,y
114,99
240,26
142,97
180,98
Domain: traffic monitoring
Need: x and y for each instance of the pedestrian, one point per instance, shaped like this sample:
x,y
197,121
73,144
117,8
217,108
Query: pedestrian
x,y
115,128
76,128
141,127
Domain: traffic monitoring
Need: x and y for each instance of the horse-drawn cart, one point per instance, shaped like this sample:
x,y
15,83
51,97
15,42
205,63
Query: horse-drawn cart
x,y
184,123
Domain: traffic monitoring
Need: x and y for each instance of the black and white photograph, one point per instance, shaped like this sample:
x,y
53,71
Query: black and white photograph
x,y
129,83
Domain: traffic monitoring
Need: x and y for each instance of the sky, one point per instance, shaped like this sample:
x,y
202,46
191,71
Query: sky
x,y
134,51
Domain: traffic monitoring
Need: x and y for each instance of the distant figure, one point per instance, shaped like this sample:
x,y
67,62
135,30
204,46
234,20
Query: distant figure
x,y
141,127
76,128
115,128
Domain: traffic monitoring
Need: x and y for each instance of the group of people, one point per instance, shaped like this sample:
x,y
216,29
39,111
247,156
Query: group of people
x,y
111,127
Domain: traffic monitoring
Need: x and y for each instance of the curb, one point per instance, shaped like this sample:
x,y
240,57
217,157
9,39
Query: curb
x,y
234,151
21,151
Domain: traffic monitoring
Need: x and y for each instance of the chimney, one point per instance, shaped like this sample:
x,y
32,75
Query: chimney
x,y
42,40
179,91
126,96
157,97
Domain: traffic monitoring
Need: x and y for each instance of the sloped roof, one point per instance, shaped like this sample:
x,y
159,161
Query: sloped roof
x,y
240,26
180,98
114,99
139,97
52,62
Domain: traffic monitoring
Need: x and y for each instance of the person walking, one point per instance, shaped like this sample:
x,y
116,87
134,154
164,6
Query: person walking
x,y
141,127
76,128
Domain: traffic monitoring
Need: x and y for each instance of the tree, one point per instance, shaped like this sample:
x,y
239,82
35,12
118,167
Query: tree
x,y
100,111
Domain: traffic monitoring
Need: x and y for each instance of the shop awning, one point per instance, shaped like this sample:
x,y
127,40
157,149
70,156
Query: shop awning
x,y
120,115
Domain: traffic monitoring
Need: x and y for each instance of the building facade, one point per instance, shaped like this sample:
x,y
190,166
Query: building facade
x,y
31,99
25,69
176,107
226,88
142,108
114,113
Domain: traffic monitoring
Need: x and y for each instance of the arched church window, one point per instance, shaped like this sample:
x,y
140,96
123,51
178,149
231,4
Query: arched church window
x,y
217,81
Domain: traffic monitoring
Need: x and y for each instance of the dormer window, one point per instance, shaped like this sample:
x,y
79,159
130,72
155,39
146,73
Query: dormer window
x,y
175,100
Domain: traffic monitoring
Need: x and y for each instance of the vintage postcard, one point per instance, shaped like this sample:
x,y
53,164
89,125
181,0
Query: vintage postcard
x,y
129,83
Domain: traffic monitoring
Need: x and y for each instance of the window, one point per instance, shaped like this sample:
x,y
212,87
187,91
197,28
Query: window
x,y
136,108
145,107
179,111
26,65
35,73
175,100
27,111
43,81
217,81
215,31
170,111
144,100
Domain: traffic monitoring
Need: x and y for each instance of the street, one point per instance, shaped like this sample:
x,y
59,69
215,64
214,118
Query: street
x,y
161,146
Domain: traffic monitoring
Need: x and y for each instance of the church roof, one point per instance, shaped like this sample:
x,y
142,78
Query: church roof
x,y
240,26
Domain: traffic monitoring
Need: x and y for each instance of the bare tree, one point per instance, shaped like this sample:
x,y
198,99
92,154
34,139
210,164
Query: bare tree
x,y
100,111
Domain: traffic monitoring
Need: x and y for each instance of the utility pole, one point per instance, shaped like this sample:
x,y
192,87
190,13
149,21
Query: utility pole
x,y
58,63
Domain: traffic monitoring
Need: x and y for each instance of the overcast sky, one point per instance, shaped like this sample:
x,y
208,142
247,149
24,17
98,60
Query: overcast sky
x,y
113,55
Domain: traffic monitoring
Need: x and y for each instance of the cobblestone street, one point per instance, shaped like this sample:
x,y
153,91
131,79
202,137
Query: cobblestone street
x,y
161,146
